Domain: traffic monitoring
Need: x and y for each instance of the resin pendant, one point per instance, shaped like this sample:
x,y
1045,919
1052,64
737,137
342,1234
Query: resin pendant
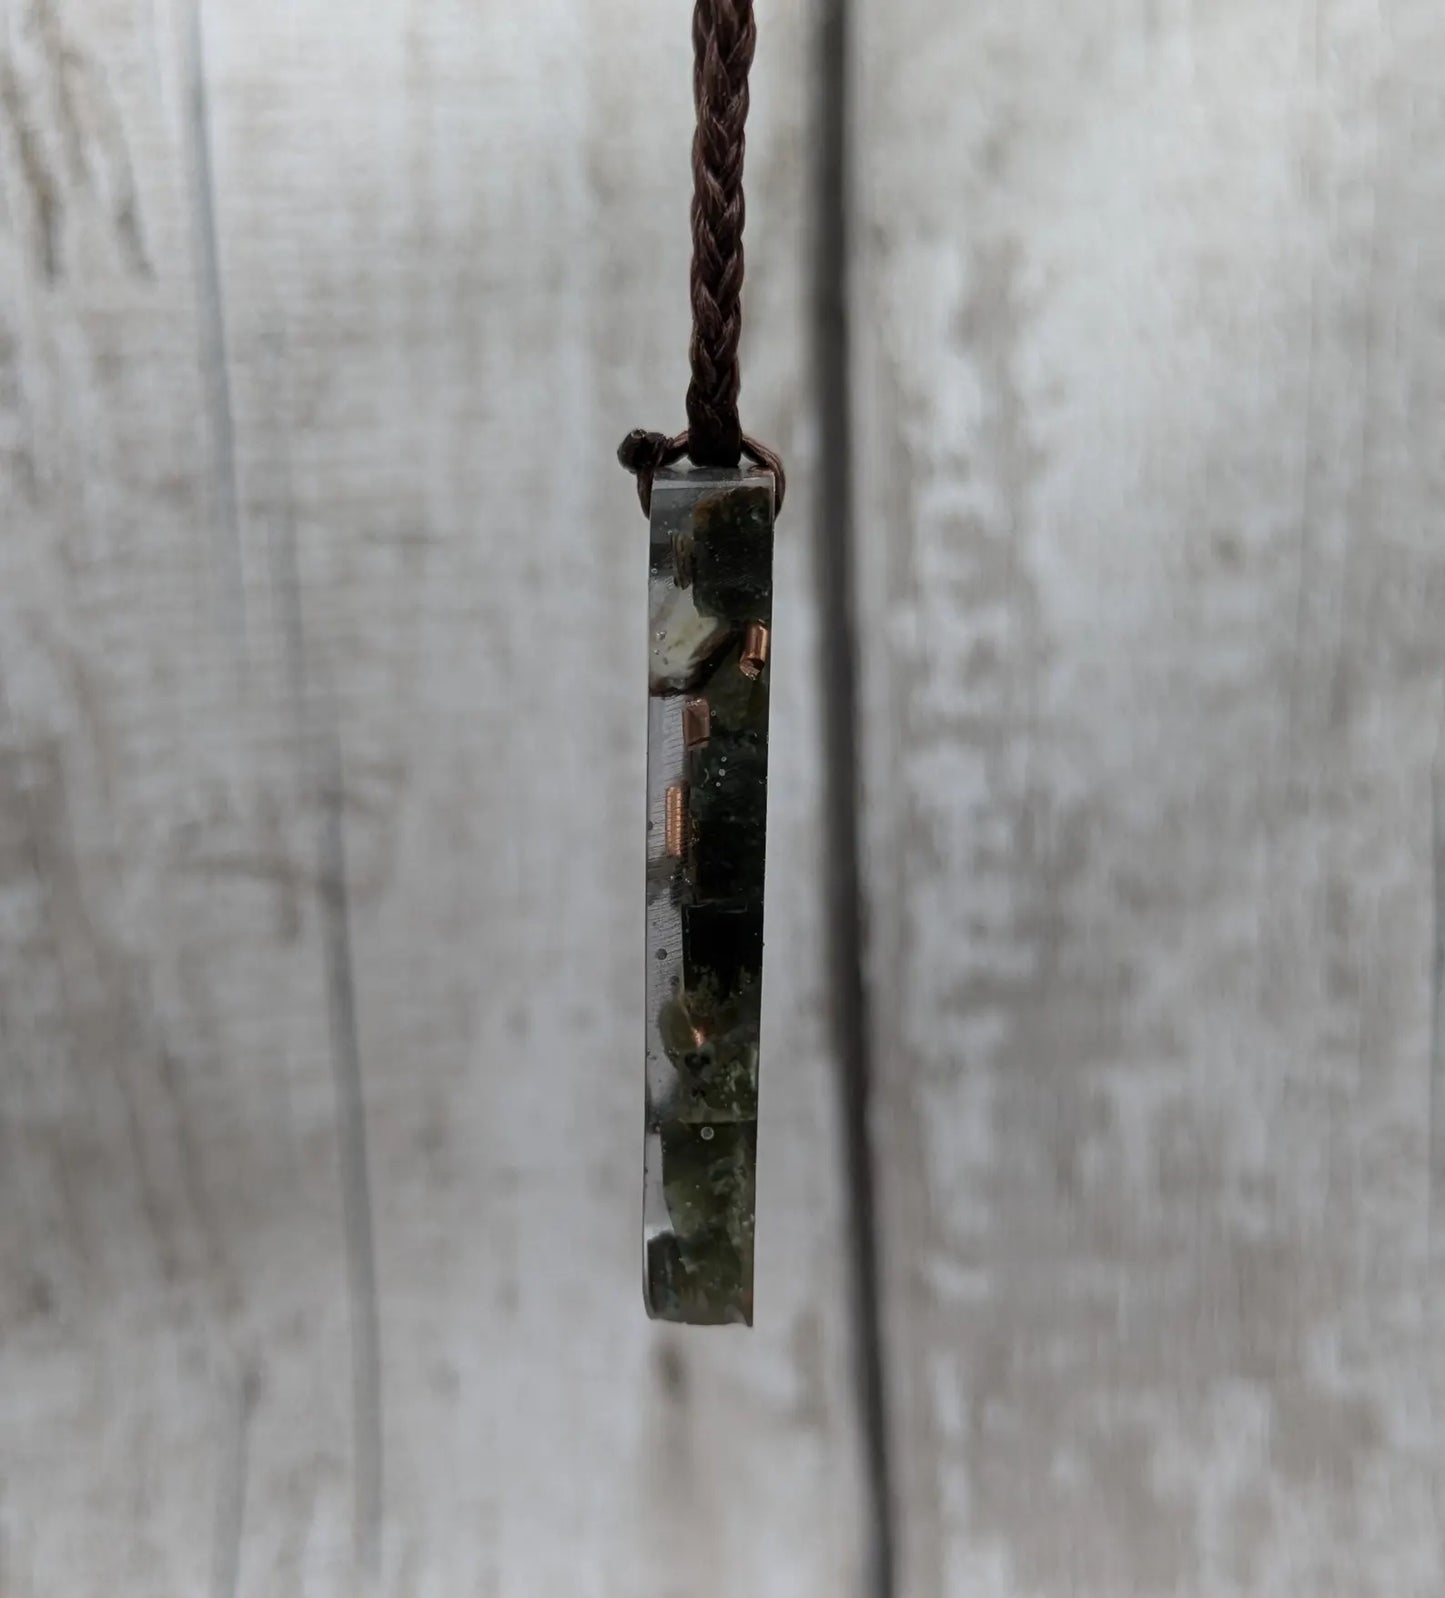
x,y
710,618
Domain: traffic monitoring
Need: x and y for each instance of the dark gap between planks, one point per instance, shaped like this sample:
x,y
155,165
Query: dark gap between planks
x,y
850,1011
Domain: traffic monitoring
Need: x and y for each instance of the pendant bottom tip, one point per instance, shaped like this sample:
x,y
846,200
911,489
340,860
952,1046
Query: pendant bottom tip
x,y
682,1297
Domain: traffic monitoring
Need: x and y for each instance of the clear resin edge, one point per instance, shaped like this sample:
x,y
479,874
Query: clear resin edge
x,y
710,593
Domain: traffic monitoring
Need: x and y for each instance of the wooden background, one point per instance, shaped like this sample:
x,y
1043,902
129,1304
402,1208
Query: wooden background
x,y
321,720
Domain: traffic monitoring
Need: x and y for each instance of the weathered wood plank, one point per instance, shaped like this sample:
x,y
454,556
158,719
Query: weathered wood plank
x,y
321,774
1151,375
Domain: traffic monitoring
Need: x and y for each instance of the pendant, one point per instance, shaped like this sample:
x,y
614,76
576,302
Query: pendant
x,y
710,617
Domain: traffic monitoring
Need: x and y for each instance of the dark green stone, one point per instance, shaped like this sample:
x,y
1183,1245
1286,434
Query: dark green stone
x,y
732,555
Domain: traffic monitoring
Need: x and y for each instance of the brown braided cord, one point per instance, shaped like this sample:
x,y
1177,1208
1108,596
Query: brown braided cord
x,y
724,34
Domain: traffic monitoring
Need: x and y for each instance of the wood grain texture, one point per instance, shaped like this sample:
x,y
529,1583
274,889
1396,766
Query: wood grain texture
x,y
321,775
1152,360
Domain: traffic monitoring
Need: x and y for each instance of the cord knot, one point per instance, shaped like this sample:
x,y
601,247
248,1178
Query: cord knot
x,y
642,451
645,454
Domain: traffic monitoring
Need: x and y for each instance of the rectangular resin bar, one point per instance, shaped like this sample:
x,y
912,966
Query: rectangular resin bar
x,y
710,616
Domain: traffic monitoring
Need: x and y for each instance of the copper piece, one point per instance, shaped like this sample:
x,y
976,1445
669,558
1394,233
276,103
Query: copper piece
x,y
696,723
682,545
677,820
701,1029
755,650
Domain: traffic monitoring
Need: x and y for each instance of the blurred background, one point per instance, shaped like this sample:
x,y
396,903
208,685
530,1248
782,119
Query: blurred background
x,y
321,785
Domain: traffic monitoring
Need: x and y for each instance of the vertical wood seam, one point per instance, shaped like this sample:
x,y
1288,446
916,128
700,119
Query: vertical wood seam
x,y
1435,1156
850,1010
356,1200
233,1474
322,771
215,351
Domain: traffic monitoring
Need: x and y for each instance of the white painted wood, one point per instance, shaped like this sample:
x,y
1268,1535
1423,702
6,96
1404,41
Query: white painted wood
x,y
1150,379
321,775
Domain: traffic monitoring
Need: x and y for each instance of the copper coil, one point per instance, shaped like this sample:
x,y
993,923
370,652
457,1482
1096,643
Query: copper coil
x,y
677,820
